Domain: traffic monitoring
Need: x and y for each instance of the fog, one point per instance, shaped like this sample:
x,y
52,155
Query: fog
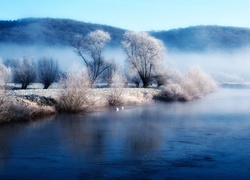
x,y
65,56
231,67
225,67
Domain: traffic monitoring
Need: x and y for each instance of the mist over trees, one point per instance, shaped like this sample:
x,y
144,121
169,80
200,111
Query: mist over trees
x,y
147,67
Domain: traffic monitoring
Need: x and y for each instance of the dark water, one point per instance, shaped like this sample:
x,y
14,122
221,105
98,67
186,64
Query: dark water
x,y
202,139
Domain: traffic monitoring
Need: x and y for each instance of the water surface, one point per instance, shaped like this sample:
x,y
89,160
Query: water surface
x,y
204,139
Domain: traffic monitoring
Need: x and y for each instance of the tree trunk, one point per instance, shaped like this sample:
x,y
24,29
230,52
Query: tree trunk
x,y
46,85
24,86
146,83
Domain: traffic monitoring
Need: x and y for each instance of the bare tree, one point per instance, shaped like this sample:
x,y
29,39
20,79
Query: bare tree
x,y
145,54
90,49
48,71
24,72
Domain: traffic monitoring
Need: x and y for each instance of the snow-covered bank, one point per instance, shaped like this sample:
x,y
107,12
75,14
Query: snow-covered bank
x,y
33,103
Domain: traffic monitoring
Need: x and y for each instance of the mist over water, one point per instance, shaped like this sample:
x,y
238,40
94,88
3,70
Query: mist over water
x,y
65,56
224,67
231,66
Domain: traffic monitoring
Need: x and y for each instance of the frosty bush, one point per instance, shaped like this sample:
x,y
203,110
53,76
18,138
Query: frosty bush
x,y
74,96
195,84
165,75
171,92
5,74
117,87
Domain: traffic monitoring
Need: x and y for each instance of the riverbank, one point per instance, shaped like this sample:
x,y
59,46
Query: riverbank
x,y
23,105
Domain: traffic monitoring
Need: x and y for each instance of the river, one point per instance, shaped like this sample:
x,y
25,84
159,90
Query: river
x,y
207,138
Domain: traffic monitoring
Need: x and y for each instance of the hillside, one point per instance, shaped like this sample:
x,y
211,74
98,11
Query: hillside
x,y
59,32
201,38
50,31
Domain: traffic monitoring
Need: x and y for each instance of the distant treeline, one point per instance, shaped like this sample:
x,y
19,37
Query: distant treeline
x,y
51,31
59,32
201,38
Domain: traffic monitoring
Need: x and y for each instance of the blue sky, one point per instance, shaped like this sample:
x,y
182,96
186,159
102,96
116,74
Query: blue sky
x,y
138,15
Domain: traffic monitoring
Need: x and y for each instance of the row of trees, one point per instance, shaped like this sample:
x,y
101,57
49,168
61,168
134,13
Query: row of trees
x,y
145,54
146,58
25,71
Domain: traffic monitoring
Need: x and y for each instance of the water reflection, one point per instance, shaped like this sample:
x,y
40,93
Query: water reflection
x,y
5,139
170,140
83,135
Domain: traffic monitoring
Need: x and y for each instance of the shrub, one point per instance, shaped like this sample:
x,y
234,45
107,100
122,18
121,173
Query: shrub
x,y
171,92
165,75
75,93
195,84
5,74
118,82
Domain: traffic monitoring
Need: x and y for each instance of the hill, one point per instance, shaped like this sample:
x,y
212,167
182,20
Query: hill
x,y
59,32
201,38
49,31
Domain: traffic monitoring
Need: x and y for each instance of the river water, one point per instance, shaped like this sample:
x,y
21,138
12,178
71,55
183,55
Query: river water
x,y
207,138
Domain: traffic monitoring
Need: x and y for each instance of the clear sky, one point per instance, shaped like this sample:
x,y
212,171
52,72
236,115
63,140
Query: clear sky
x,y
138,15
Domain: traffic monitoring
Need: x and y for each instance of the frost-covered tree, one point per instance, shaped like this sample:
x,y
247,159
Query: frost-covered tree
x,y
90,49
145,53
24,72
48,71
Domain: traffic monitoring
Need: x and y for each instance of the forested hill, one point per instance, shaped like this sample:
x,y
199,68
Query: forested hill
x,y
200,38
51,31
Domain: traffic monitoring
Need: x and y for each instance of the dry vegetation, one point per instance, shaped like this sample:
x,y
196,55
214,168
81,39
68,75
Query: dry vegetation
x,y
193,85
75,95
117,84
14,107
